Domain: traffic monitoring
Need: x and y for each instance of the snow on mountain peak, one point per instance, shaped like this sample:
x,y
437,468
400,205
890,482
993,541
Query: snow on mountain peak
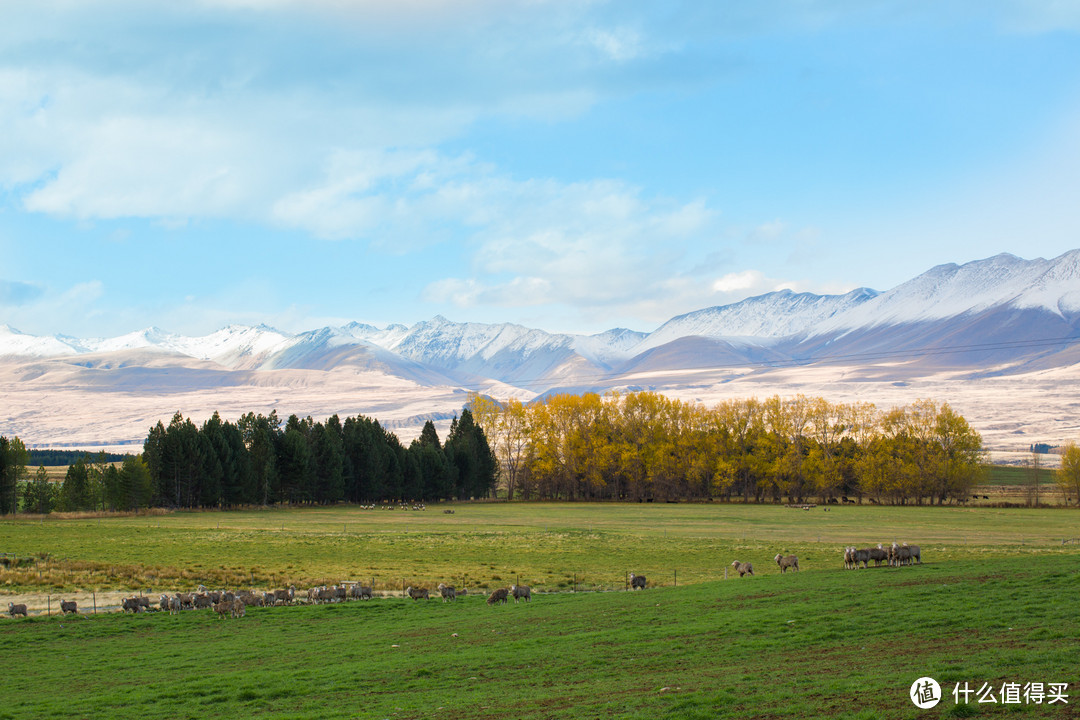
x,y
951,290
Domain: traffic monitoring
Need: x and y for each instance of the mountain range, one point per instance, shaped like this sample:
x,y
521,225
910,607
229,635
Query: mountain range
x,y
998,318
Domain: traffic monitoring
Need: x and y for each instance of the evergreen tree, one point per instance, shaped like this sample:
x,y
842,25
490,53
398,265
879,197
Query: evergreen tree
x,y
467,450
13,459
39,495
76,493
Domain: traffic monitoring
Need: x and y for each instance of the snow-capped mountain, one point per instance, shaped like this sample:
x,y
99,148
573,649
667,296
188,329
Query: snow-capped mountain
x,y
983,322
974,304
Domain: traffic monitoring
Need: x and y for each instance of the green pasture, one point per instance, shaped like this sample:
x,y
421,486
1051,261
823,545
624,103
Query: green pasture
x,y
1011,475
552,546
821,643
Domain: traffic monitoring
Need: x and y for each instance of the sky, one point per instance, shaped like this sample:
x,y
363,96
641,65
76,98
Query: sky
x,y
571,166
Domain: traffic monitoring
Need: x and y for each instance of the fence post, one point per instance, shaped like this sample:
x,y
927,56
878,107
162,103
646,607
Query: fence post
x,y
676,578
49,601
94,593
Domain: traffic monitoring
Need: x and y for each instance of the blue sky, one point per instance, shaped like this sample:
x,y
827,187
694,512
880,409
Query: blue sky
x,y
573,166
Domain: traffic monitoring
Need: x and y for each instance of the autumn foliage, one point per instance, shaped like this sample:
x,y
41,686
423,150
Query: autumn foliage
x,y
645,446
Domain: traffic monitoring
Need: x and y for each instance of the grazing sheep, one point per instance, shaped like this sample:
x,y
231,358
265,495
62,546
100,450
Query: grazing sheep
x,y
14,609
268,599
365,593
144,602
132,604
859,555
174,605
499,596
250,599
521,592
787,561
637,581
69,607
187,600
203,601
915,554
447,592
416,593
849,553
742,568
163,603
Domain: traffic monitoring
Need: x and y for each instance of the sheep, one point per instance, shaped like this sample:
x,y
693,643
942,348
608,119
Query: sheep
x,y
250,599
285,597
849,553
268,599
637,581
132,604
163,603
365,593
174,605
223,608
521,592
340,593
499,596
462,592
416,593
144,602
858,555
447,592
187,600
238,607
787,561
69,607
899,555
325,594
914,554
742,568
14,609
879,555
203,601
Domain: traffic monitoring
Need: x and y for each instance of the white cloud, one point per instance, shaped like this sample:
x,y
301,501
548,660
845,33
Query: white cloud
x,y
739,281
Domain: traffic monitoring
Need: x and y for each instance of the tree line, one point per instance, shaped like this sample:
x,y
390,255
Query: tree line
x,y
631,447
644,446
259,460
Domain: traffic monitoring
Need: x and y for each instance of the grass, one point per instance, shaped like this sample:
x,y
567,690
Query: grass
x,y
820,643
1011,475
551,546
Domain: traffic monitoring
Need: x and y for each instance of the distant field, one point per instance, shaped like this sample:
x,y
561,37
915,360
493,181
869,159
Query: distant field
x,y
846,645
1011,475
553,546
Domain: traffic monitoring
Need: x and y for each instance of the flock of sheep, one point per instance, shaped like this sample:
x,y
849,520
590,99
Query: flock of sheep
x,y
783,561
895,555
226,603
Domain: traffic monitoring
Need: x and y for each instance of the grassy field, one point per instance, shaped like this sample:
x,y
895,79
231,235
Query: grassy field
x,y
823,642
995,601
553,546
1011,475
